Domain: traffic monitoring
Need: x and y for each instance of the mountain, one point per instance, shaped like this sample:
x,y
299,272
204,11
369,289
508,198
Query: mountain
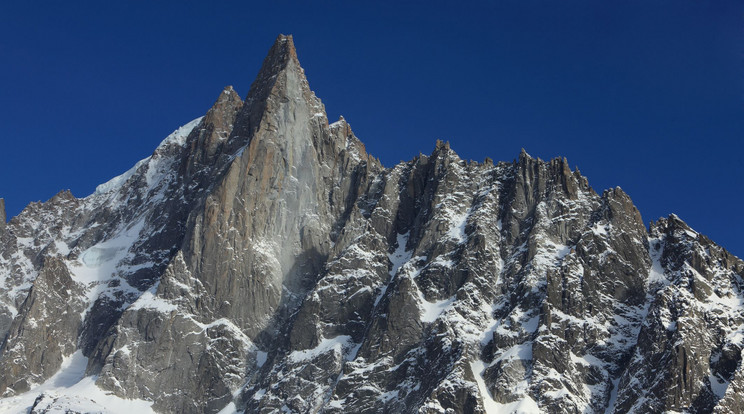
x,y
261,261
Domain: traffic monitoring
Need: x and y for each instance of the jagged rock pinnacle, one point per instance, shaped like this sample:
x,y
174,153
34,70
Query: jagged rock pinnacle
x,y
524,156
214,130
281,53
280,76
227,99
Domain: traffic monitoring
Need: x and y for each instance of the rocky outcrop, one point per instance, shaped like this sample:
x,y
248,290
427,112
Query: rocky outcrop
x,y
260,260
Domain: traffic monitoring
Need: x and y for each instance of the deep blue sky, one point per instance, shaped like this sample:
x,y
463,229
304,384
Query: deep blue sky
x,y
645,95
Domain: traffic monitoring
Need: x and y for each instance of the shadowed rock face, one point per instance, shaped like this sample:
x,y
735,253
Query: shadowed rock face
x,y
261,258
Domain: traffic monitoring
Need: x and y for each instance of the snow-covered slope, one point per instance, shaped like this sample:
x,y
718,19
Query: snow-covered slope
x,y
261,261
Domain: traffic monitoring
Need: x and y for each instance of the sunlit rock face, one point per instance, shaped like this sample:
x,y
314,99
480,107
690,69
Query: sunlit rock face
x,y
261,261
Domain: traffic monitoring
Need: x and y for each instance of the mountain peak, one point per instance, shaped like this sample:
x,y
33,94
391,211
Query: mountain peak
x,y
281,53
285,45
228,97
227,91
279,77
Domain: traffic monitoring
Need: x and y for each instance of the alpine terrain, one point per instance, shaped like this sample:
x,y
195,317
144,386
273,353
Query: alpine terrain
x,y
261,261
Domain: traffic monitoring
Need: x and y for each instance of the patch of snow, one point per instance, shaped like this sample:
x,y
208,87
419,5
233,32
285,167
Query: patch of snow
x,y
232,328
459,221
521,351
336,344
531,325
656,273
178,137
601,229
116,182
260,393
442,262
430,311
100,263
149,300
354,351
337,403
398,258
736,337
387,396
718,386
261,357
229,409
726,300
613,397
549,254
62,247
587,360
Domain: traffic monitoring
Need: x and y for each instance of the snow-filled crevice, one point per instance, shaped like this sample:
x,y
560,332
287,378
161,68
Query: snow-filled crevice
x,y
398,258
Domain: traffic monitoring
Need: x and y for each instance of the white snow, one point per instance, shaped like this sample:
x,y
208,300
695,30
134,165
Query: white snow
x,y
549,254
656,273
430,311
601,229
260,393
521,351
388,395
178,137
261,358
77,391
148,300
718,386
457,230
116,182
442,262
613,397
62,247
398,258
229,409
100,263
336,344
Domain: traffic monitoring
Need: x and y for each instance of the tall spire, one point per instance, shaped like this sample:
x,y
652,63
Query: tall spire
x,y
281,53
280,76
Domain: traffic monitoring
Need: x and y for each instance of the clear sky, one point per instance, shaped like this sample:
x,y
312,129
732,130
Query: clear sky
x,y
644,95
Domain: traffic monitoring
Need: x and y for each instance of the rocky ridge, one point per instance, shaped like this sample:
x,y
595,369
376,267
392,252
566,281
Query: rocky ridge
x,y
261,261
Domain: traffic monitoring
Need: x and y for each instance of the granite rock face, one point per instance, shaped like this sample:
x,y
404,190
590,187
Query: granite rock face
x,y
261,261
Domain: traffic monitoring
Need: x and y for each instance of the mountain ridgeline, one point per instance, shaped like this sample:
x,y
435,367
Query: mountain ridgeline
x,y
261,261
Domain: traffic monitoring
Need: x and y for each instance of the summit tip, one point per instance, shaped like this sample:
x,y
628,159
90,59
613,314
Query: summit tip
x,y
283,47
